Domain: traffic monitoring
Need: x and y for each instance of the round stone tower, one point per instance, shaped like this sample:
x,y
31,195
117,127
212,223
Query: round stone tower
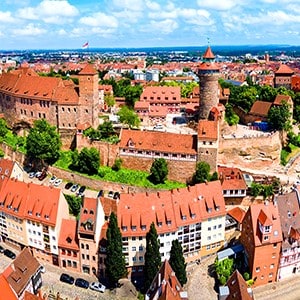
x,y
208,73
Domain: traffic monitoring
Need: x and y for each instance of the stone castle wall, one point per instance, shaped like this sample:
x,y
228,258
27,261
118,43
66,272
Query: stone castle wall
x,y
255,152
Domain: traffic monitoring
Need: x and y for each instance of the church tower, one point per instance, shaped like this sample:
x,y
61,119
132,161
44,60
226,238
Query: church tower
x,y
208,73
88,96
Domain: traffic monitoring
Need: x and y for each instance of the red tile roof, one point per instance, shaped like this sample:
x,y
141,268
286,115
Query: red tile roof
x,y
280,98
237,213
161,94
284,69
170,209
158,141
231,178
87,222
260,108
208,54
24,267
207,130
88,70
6,166
31,201
68,235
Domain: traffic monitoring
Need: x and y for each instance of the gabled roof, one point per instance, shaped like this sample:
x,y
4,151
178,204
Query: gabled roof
x,y
284,69
208,54
237,213
88,70
165,285
263,219
23,268
158,141
280,98
88,215
68,235
231,178
260,108
238,288
6,167
208,130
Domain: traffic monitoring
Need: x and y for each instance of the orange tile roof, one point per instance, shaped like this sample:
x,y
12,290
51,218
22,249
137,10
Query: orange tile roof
x,y
266,214
87,221
109,205
141,104
260,108
31,201
207,130
68,235
237,213
231,178
161,94
296,83
284,69
158,141
6,167
158,111
178,207
280,98
25,266
6,291
88,70
208,54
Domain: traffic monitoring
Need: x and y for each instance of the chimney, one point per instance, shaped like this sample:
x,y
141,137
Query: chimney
x,y
158,195
188,188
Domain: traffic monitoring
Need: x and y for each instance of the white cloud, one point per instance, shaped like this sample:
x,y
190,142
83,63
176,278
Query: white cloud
x,y
50,11
152,5
165,27
29,30
6,17
62,32
128,4
99,19
219,4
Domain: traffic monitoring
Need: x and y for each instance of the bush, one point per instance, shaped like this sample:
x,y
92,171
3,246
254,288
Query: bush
x,y
117,165
246,276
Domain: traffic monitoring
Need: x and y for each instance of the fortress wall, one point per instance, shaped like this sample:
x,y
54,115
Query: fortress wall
x,y
256,152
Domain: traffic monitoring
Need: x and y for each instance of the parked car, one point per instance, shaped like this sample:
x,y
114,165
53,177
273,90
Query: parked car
x,y
38,174
116,195
81,191
66,278
80,282
31,174
1,249
158,127
42,269
97,286
110,194
52,179
9,254
42,176
74,187
57,182
68,185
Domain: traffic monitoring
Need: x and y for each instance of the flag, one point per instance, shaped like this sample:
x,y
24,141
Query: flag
x,y
85,45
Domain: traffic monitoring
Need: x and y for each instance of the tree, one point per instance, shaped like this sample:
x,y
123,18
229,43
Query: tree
x,y
129,117
159,171
117,164
74,204
202,172
230,116
87,161
224,269
152,256
177,262
43,142
115,260
3,128
279,116
132,94
106,129
109,100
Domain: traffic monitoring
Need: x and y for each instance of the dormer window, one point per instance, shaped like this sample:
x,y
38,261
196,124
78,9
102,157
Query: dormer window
x,y
217,208
124,228
30,212
169,222
133,228
267,229
209,210
143,227
16,209
47,217
183,217
159,224
38,214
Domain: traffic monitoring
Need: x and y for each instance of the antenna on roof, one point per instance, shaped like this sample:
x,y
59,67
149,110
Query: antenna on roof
x,y
208,42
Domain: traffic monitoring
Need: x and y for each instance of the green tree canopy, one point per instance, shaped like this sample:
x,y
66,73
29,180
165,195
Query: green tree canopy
x,y
115,260
109,100
129,117
159,171
152,256
43,142
202,172
224,269
106,129
74,203
177,262
230,116
3,128
87,161
279,116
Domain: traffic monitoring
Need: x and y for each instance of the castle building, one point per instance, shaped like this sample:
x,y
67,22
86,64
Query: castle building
x,y
25,97
283,77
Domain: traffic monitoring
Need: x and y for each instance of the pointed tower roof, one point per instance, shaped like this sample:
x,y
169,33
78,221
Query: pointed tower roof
x,y
88,70
208,54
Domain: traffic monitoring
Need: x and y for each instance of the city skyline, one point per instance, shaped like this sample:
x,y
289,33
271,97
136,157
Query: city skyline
x,y
69,24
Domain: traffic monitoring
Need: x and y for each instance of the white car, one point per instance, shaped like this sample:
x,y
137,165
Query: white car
x,y
57,182
97,286
52,179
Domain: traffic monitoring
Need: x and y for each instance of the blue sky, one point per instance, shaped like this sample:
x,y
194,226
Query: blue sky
x,y
67,24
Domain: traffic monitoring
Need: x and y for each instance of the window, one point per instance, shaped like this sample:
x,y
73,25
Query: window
x,y
134,259
272,266
208,247
133,238
82,246
141,258
257,269
133,248
266,238
141,248
87,247
83,256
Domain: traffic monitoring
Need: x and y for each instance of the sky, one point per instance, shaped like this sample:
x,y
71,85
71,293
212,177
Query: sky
x,y
68,24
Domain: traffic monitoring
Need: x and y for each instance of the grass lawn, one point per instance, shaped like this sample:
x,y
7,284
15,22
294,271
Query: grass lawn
x,y
16,142
286,155
126,176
